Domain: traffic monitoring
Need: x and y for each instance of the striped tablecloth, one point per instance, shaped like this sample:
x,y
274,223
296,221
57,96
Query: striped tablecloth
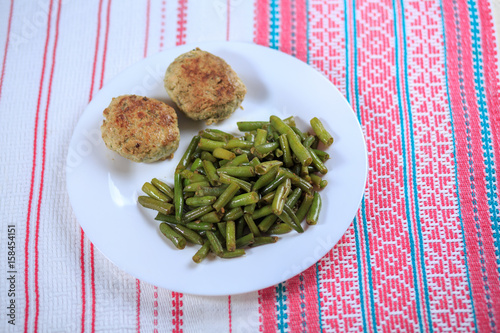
x,y
422,254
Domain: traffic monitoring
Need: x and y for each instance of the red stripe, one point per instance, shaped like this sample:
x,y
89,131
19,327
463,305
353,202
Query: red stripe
x,y
92,286
462,126
162,31
286,26
228,22
295,301
301,26
267,310
82,267
96,50
26,245
155,309
147,29
229,313
181,22
105,45
261,27
177,312
138,315
44,146
6,48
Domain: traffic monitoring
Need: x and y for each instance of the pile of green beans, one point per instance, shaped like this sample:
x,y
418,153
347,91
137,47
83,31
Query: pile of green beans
x,y
231,192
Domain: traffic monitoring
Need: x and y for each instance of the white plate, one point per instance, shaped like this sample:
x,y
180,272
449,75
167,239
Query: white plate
x,y
103,187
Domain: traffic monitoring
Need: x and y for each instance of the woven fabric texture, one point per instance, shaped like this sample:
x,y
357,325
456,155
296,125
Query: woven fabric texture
x,y
423,252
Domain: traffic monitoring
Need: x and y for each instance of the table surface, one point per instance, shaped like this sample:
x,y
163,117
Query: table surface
x,y
423,252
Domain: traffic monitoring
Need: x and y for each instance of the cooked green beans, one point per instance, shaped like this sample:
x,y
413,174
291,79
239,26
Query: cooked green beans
x,y
321,132
233,192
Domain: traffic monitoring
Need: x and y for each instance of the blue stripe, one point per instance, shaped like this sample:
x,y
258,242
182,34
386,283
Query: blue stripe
x,y
359,257
414,179
281,307
405,172
456,167
274,25
486,139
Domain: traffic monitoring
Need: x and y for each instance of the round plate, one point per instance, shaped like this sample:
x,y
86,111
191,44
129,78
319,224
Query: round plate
x,y
103,187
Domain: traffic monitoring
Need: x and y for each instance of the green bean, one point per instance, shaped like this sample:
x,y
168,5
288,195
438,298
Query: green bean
x,y
193,187
163,187
316,180
222,228
166,218
194,177
196,164
304,206
243,200
251,225
240,151
188,234
215,243
221,239
249,137
264,240
247,126
264,167
268,198
313,214
254,162
280,229
288,220
260,137
243,158
267,222
160,206
249,209
197,213
226,179
309,141
321,132
213,136
188,154
214,130
211,172
238,171
200,226
230,236
292,215
210,145
324,156
233,214
299,133
290,121
274,184
202,253
178,241
240,227
323,183
297,181
265,149
287,153
226,196
278,152
295,144
281,195
235,143
155,193
261,212
244,241
201,201
316,161
207,190
232,254
212,217
223,154
205,155
265,179
294,197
